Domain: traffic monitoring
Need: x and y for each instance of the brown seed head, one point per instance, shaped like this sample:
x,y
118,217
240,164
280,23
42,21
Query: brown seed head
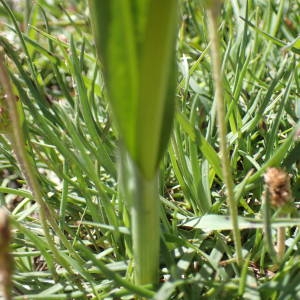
x,y
278,184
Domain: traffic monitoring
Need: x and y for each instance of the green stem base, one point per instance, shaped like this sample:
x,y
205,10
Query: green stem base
x,y
143,195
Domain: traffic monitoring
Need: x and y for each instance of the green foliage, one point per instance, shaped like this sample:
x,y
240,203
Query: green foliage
x,y
136,42
141,80
68,128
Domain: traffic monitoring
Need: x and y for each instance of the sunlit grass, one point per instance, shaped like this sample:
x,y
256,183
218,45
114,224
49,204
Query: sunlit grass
x,y
73,141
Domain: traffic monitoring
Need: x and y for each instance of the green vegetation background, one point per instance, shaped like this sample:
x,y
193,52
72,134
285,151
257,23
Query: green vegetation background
x,y
68,128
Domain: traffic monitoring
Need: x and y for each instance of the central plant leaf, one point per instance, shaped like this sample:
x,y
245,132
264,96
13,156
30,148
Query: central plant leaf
x,y
135,40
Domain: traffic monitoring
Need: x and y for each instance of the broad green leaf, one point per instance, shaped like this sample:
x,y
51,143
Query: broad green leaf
x,y
136,42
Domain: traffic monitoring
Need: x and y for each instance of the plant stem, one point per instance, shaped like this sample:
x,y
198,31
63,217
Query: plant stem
x,y
18,143
29,172
280,246
268,227
6,261
145,224
212,14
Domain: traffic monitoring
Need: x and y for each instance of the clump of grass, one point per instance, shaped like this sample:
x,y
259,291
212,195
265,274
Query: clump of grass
x,y
73,143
